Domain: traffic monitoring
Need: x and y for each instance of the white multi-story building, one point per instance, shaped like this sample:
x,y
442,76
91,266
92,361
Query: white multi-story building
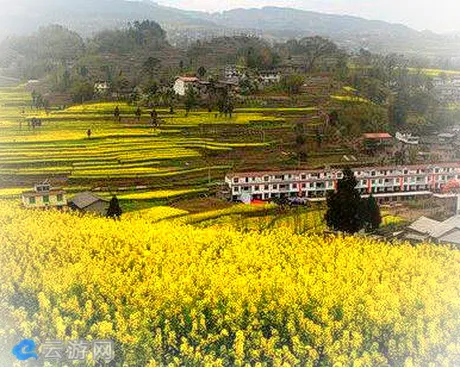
x,y
385,183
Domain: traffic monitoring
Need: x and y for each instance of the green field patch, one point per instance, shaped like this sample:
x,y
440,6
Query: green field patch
x,y
350,99
159,194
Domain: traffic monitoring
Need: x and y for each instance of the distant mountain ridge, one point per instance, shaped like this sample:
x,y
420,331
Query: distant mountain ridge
x,y
90,16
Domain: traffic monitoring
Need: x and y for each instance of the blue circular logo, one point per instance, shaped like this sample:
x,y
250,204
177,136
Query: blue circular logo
x,y
25,350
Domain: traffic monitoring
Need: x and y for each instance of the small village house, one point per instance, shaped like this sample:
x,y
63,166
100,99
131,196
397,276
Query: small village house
x,y
90,203
428,230
233,74
446,138
182,84
407,138
269,77
44,196
101,87
373,141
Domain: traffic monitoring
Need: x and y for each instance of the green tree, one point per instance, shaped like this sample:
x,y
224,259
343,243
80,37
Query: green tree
x,y
292,83
201,72
372,212
114,211
191,99
150,67
313,50
82,91
344,206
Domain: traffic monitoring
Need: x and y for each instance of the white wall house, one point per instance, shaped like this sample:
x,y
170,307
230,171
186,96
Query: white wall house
x,y
385,183
269,77
407,138
43,196
101,87
182,84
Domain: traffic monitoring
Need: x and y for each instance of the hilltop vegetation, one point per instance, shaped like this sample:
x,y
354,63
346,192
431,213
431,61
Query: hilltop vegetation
x,y
89,17
368,91
169,294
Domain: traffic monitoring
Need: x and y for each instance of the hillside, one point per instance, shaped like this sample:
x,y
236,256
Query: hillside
x,y
88,17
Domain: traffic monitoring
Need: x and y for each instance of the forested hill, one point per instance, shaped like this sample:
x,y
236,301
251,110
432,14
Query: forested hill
x,y
90,16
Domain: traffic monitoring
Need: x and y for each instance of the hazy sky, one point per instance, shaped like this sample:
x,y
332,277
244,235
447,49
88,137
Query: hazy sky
x,y
438,16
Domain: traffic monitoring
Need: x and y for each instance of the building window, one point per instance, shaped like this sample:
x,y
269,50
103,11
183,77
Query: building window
x,y
236,189
294,186
275,187
266,187
266,178
246,180
46,199
60,197
256,187
235,180
303,176
32,200
304,185
406,172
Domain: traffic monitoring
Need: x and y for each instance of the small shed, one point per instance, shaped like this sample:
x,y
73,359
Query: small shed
x,y
90,203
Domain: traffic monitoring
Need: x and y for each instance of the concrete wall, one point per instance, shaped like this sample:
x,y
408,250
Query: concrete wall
x,y
40,203
180,87
99,208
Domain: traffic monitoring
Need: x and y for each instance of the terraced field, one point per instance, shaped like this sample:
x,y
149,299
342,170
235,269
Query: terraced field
x,y
186,153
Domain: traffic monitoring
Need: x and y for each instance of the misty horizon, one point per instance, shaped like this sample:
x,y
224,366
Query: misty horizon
x,y
424,17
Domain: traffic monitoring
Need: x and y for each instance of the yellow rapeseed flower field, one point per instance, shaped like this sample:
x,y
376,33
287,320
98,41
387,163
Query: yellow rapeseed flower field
x,y
172,294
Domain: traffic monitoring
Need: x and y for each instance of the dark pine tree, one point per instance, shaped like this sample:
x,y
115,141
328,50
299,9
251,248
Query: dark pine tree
x,y
374,219
345,207
114,211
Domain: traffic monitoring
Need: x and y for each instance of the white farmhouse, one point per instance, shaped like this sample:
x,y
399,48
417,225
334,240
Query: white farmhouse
x,y
182,84
269,77
101,87
43,196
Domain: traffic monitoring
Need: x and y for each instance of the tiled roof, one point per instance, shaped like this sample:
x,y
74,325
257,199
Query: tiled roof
x,y
451,237
447,231
85,199
188,79
364,168
377,135
424,225
446,226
